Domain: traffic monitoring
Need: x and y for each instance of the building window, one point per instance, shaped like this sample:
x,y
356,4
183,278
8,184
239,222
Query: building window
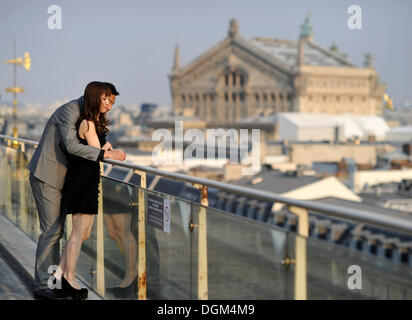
x,y
197,98
265,98
226,97
183,98
257,97
242,97
234,78
242,81
226,80
234,97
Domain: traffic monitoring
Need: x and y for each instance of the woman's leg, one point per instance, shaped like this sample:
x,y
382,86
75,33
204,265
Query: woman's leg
x,y
82,225
112,232
123,229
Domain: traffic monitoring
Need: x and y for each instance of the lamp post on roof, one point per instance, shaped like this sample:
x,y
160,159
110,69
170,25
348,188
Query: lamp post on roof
x,y
25,62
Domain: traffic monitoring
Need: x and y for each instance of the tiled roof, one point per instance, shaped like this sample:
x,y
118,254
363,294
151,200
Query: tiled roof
x,y
275,181
287,52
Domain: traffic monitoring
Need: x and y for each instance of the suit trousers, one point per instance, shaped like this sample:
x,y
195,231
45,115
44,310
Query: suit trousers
x,y
52,222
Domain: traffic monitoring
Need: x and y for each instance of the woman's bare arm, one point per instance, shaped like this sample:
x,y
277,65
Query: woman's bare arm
x,y
87,130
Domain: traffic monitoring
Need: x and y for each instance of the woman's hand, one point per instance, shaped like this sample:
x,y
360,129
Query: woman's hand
x,y
107,146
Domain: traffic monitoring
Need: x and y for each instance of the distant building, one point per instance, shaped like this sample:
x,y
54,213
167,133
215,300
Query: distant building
x,y
146,113
309,153
297,185
400,134
327,127
240,78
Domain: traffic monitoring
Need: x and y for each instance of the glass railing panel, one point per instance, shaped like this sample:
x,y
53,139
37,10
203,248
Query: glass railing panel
x,y
120,239
338,272
168,255
168,247
11,205
245,259
16,196
111,249
27,218
6,182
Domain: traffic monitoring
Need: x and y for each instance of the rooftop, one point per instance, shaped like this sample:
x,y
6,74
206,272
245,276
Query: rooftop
x,y
275,181
287,52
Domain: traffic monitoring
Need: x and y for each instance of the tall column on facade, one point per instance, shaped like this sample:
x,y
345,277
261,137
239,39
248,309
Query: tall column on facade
x,y
238,109
176,100
206,106
250,103
215,106
200,106
220,107
256,107
277,101
283,99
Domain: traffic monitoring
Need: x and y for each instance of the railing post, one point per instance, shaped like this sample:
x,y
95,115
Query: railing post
x,y
100,240
300,252
202,290
141,266
22,190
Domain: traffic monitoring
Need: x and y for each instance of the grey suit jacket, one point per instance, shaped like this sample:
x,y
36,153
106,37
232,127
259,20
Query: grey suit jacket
x,y
49,162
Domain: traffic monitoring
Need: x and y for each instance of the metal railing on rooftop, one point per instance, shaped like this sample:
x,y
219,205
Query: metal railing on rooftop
x,y
394,223
298,207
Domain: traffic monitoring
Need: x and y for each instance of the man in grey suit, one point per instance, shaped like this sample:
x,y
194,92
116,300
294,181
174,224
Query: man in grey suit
x,y
48,168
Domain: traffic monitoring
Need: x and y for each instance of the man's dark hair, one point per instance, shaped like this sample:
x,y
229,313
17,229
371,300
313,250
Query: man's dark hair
x,y
112,88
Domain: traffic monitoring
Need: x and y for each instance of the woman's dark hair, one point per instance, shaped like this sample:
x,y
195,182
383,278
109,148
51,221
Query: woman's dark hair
x,y
91,109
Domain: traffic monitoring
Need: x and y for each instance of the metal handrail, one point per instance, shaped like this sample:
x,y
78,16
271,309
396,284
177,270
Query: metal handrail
x,y
398,224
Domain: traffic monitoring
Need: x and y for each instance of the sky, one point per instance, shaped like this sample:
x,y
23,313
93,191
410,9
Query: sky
x,y
132,43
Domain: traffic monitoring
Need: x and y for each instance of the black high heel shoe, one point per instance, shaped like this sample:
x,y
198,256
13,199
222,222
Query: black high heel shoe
x,y
127,292
76,294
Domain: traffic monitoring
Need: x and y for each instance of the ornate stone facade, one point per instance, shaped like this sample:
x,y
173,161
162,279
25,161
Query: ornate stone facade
x,y
240,78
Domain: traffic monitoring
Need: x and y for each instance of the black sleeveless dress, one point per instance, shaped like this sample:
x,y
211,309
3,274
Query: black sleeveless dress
x,y
81,186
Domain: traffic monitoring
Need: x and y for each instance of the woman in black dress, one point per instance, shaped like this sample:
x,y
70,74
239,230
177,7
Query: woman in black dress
x,y
81,187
